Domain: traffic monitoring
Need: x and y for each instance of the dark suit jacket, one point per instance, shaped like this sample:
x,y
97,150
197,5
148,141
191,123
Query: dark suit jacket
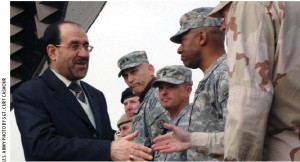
x,y
54,126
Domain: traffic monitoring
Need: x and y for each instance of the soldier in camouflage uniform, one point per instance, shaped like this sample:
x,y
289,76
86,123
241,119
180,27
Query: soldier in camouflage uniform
x,y
125,125
139,75
202,46
175,85
130,101
264,79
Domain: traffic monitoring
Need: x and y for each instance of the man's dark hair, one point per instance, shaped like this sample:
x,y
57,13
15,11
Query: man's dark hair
x,y
127,93
51,35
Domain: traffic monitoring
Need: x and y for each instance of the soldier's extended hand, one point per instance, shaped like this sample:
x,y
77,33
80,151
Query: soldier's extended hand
x,y
125,150
175,141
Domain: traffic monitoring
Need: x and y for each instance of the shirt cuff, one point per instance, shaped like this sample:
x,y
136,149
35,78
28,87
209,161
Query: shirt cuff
x,y
199,139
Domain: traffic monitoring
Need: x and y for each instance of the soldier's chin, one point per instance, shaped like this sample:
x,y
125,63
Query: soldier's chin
x,y
189,65
135,90
167,107
131,118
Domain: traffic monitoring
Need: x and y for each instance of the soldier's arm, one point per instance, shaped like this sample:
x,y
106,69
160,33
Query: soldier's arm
x,y
211,143
250,61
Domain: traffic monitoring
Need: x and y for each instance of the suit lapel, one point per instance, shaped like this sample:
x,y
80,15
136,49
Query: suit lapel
x,y
94,106
64,95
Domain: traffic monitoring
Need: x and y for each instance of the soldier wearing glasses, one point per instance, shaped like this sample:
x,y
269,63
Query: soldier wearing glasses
x,y
63,118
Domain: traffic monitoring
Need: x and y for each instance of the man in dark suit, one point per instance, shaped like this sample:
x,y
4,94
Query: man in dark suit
x,y
63,118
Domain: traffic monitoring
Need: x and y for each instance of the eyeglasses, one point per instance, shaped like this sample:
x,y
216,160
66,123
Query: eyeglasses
x,y
76,47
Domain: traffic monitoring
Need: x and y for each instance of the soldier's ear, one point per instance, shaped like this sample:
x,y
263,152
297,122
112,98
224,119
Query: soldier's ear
x,y
189,89
151,69
202,37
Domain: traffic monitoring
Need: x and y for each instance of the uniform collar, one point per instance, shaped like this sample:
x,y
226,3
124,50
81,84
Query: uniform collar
x,y
142,96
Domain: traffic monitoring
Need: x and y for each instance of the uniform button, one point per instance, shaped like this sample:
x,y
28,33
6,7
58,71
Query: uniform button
x,y
138,118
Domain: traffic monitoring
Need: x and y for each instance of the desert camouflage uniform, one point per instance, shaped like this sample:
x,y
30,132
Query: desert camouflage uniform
x,y
182,121
209,108
264,66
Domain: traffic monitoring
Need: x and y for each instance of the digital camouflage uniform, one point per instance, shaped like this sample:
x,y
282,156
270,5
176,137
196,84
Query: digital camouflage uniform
x,y
149,114
209,107
175,74
181,121
148,117
208,114
264,80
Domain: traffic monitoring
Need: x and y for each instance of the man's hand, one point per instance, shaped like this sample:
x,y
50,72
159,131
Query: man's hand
x,y
123,150
175,141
